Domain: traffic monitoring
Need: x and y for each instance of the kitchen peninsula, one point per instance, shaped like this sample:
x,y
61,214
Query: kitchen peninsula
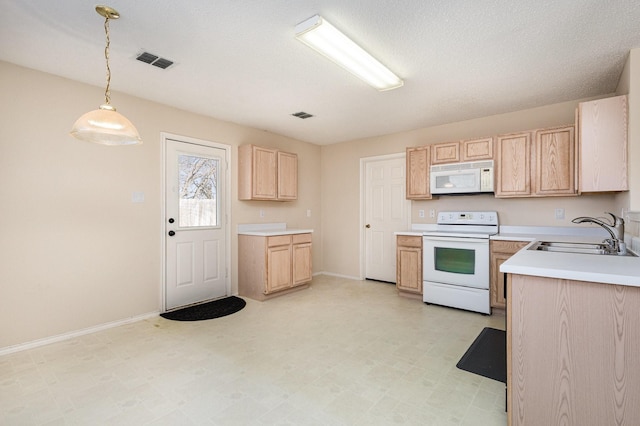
x,y
573,338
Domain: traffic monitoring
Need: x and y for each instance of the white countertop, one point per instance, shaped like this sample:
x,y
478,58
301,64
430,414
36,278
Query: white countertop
x,y
622,270
269,229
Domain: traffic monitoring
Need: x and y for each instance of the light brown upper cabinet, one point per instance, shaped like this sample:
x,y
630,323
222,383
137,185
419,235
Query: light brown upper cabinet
x,y
555,162
418,163
512,165
267,174
448,152
461,151
477,149
602,134
287,176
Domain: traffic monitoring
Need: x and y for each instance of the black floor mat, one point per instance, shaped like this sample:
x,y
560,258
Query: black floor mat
x,y
216,309
487,355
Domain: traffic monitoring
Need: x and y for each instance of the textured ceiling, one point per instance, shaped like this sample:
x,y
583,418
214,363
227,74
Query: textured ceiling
x,y
238,60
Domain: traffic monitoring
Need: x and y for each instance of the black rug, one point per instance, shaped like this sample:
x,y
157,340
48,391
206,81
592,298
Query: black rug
x,y
487,355
216,309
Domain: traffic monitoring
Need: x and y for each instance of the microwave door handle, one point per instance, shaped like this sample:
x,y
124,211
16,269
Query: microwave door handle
x,y
458,239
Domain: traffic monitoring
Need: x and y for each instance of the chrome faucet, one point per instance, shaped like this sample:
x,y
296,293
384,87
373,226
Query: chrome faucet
x,y
615,229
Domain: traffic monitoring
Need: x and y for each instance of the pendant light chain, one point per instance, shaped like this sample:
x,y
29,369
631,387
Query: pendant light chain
x,y
107,92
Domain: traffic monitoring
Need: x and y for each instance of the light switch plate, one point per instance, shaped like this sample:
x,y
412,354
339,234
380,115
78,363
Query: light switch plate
x,y
137,197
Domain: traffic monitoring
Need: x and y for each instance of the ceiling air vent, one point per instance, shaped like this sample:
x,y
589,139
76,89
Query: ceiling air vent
x,y
155,60
302,115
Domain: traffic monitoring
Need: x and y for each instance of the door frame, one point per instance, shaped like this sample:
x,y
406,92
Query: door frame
x,y
164,136
363,213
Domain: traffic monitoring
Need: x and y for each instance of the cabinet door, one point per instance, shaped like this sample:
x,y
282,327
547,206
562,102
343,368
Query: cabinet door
x,y
500,252
477,149
302,269
409,269
287,176
603,144
448,152
497,280
409,263
278,268
555,161
418,162
264,165
512,168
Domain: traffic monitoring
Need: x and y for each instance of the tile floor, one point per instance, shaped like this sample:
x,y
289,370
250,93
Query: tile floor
x,y
343,352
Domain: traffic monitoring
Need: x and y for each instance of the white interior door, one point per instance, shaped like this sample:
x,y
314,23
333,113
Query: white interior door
x,y
195,223
386,211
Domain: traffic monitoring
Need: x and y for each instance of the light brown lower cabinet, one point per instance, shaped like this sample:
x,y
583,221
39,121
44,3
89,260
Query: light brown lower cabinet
x,y
273,265
572,352
409,265
501,250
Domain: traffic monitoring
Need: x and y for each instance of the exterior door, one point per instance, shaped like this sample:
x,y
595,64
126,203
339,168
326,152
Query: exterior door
x,y
195,224
386,211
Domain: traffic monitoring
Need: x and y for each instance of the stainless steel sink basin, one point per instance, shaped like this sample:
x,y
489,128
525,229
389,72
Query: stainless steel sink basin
x,y
584,248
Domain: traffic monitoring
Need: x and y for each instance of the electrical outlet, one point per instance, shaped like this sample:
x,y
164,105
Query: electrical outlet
x,y
261,213
559,214
432,213
421,213
308,212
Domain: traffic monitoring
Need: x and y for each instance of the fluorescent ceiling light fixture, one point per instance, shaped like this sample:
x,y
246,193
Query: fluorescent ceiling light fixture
x,y
326,39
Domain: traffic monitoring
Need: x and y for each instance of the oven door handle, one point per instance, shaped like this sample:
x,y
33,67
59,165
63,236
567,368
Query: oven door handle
x,y
458,240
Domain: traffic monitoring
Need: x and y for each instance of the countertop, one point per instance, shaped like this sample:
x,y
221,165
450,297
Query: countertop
x,y
622,270
269,229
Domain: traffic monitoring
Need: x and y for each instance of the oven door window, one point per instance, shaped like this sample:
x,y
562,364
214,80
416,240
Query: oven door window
x,y
455,260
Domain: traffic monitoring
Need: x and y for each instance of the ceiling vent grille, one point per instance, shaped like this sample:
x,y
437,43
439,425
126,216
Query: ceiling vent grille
x,y
155,60
303,115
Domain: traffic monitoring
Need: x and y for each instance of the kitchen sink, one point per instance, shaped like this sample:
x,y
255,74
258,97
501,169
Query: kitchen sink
x,y
584,248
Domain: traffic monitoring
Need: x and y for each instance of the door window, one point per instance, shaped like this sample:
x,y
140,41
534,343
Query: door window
x,y
198,183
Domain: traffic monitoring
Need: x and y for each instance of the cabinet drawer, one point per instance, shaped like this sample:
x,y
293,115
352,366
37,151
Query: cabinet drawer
x,y
278,240
301,238
409,241
499,246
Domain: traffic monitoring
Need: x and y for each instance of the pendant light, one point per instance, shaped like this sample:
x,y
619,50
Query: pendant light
x,y
104,125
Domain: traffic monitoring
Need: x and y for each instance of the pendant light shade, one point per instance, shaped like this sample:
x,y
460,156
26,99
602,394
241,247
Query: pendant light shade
x,y
105,125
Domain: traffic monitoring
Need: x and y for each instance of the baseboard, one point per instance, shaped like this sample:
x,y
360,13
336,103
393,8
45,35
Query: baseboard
x,y
331,274
66,336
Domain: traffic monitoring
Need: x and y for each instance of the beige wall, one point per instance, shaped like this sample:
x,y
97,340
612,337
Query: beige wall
x,y
76,252
341,186
629,84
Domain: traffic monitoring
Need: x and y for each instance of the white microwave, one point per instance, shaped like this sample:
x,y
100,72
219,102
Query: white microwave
x,y
462,178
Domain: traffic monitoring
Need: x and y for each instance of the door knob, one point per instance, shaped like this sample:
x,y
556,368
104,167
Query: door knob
x,y
171,220
367,226
172,233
